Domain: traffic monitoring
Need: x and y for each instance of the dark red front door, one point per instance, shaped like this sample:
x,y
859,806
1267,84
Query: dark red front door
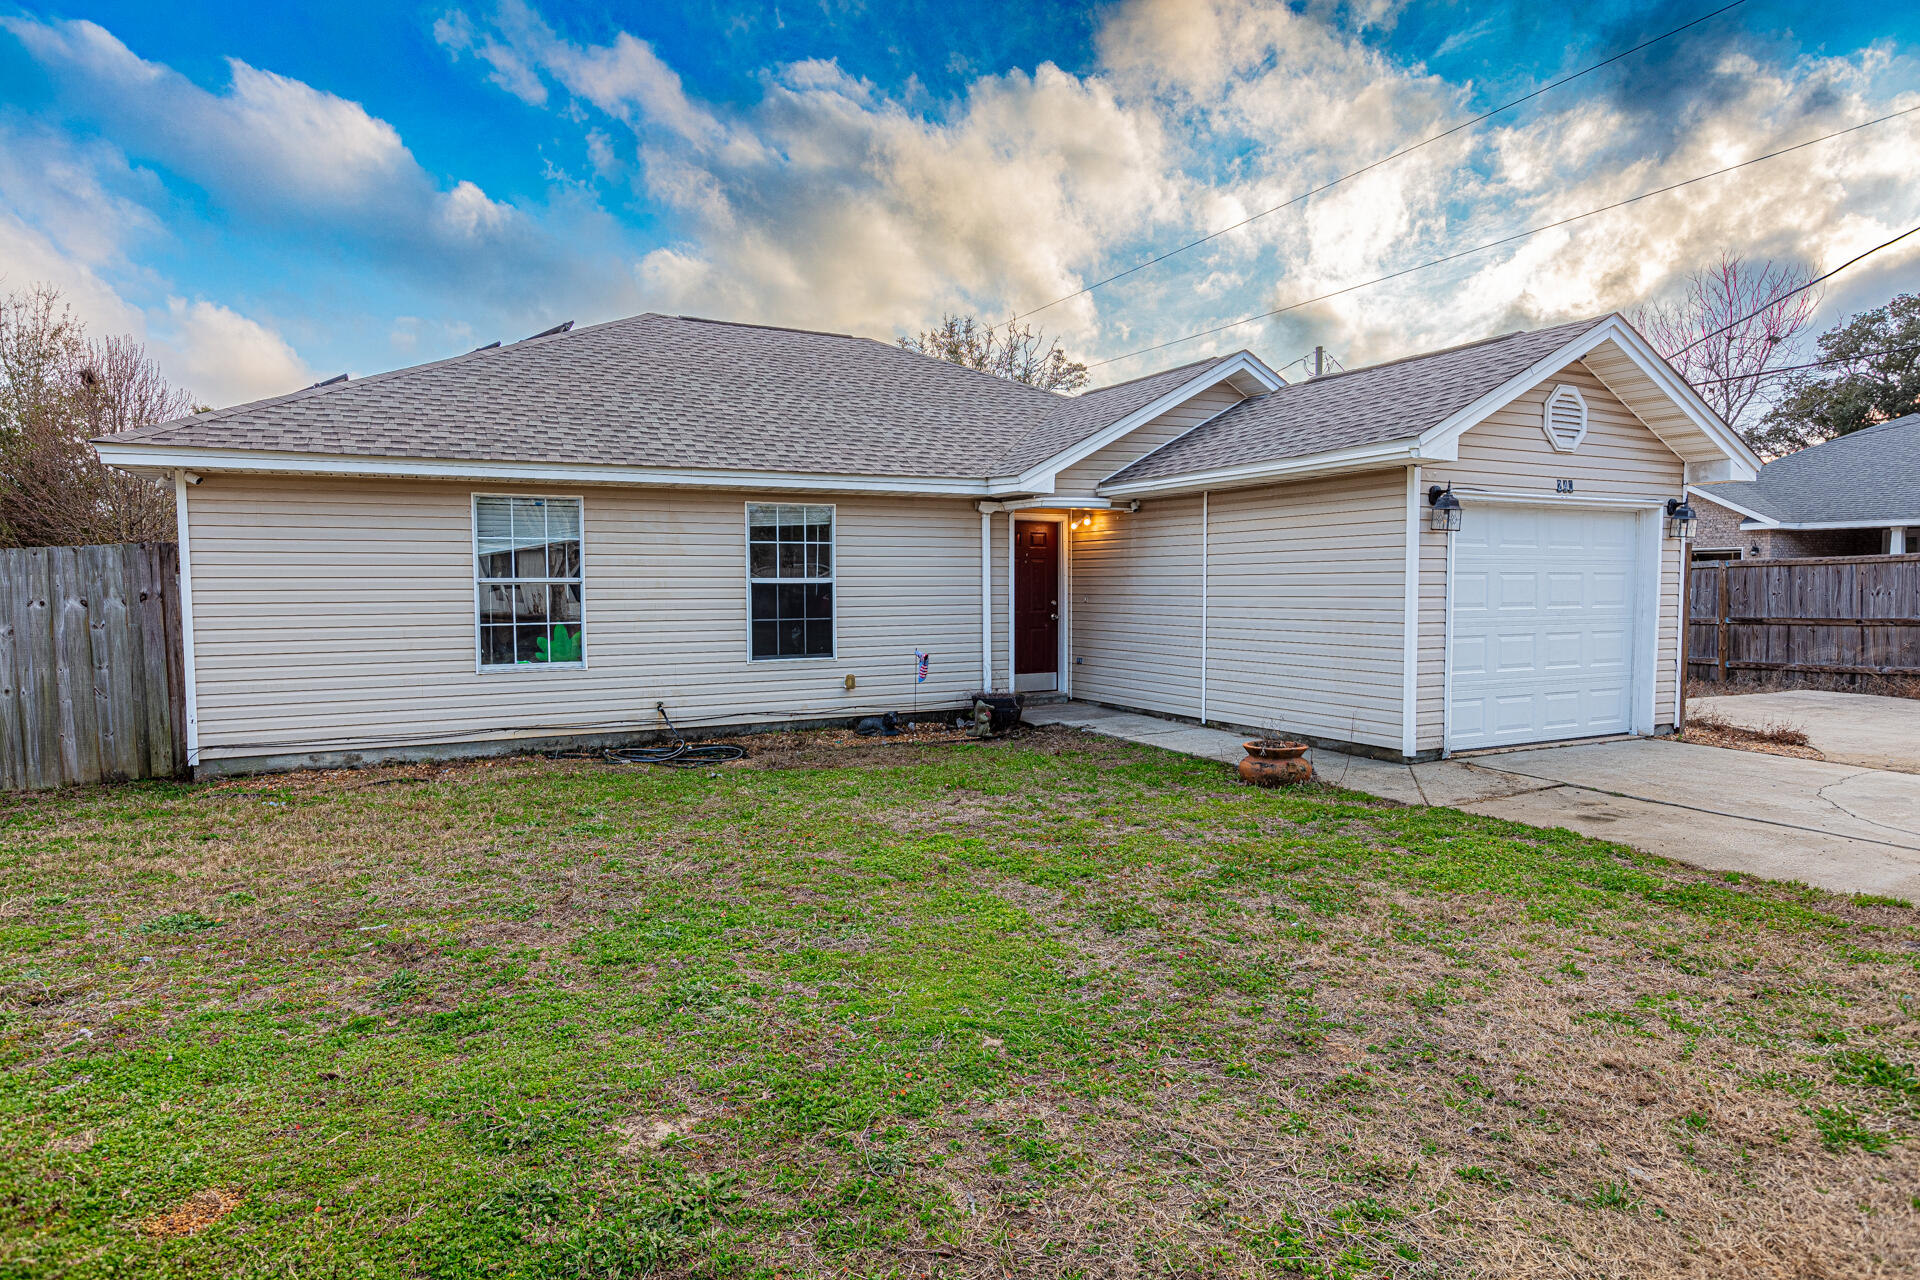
x,y
1036,598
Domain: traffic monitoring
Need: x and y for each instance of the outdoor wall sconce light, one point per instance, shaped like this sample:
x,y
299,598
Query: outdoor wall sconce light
x,y
1079,519
1680,519
1445,517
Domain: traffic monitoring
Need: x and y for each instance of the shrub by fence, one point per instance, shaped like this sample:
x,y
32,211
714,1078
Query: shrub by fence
x,y
1837,616
92,687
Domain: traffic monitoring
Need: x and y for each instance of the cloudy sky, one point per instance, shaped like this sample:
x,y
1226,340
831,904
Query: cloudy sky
x,y
267,196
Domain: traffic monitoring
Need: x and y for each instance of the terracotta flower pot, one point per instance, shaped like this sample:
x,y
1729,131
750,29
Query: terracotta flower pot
x,y
1275,762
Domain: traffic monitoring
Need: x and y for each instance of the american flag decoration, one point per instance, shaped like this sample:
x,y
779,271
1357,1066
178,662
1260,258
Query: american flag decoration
x,y
925,658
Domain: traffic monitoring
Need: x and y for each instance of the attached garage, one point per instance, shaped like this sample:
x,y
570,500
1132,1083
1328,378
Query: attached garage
x,y
1551,630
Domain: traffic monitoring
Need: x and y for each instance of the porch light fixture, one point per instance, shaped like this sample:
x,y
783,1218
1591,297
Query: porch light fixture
x,y
1445,517
1079,519
1680,519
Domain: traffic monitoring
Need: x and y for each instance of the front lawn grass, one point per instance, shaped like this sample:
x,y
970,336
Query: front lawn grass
x,y
1052,1006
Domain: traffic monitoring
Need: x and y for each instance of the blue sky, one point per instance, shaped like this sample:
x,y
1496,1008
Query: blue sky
x,y
268,194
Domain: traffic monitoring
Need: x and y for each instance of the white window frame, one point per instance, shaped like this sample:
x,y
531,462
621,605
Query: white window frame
x,y
480,665
832,579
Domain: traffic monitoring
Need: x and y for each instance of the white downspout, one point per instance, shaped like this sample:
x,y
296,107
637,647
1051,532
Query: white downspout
x,y
186,617
986,602
1205,495
1410,638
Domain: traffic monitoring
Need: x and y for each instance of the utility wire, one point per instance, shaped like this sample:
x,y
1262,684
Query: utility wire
x,y
1795,368
1391,156
1520,235
1771,302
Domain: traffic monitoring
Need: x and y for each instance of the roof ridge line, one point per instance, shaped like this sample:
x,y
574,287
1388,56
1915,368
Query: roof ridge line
x,y
1441,351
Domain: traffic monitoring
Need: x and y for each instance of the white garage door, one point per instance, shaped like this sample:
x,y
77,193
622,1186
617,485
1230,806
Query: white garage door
x,y
1543,625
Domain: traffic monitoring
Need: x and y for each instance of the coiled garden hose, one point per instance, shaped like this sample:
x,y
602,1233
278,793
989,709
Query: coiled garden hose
x,y
679,754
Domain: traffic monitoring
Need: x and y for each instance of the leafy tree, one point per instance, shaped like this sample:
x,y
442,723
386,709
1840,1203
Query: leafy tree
x,y
1014,352
1736,321
1875,377
58,389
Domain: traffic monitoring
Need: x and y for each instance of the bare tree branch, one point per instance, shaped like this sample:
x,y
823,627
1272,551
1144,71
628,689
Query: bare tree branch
x,y
58,389
1727,368
1020,356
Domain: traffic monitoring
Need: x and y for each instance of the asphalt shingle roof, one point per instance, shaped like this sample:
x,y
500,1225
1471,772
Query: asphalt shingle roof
x,y
670,391
1393,401
1089,411
1869,476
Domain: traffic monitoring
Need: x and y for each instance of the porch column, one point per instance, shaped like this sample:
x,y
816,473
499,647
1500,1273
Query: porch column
x,y
1897,540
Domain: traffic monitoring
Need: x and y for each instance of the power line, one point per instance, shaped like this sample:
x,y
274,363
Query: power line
x,y
1391,156
1795,368
1519,235
1772,302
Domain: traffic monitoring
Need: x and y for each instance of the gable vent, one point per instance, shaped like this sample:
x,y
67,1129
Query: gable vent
x,y
1565,418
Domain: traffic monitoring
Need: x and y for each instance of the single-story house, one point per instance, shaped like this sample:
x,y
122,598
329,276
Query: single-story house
x,y
542,542
1854,495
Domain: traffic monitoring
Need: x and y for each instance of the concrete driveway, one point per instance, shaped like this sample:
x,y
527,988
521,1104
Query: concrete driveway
x,y
1853,728
1842,827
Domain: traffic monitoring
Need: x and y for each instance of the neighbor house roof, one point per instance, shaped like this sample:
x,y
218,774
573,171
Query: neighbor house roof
x,y
659,391
1867,477
1397,400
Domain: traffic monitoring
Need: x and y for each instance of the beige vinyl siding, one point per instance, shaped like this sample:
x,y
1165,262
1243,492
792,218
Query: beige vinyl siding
x,y
1306,591
1620,458
335,614
1136,608
1078,480
1001,566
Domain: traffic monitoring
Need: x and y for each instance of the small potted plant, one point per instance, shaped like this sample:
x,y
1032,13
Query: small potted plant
x,y
1275,762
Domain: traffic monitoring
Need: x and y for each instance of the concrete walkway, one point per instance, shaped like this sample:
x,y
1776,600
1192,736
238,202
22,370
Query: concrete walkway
x,y
1853,728
1837,826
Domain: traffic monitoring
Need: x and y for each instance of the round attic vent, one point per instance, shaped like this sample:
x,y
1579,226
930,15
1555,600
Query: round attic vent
x,y
1565,418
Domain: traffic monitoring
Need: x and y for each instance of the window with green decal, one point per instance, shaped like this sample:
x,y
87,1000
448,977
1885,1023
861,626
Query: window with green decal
x,y
527,581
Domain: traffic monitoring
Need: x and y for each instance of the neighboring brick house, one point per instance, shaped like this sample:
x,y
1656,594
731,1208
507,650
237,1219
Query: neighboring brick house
x,y
1857,495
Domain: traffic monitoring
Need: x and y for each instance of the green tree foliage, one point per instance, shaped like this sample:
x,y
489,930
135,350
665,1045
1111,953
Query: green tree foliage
x,y
58,390
1875,377
1014,352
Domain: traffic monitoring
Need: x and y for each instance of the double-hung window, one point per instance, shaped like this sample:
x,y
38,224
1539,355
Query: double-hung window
x,y
527,581
790,580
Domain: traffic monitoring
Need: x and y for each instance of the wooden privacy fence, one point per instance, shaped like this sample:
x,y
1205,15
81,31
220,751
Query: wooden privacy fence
x,y
1843,615
91,682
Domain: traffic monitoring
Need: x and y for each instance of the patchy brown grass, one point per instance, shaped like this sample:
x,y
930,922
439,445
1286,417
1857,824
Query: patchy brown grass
x,y
1777,738
1055,1006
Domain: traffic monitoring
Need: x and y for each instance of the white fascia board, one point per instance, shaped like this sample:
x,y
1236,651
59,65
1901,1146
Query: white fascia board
x,y
1907,522
1039,478
1357,458
1616,330
1755,519
1047,504
140,457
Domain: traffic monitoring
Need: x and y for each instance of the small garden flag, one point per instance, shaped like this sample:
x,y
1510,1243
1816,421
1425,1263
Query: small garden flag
x,y
924,658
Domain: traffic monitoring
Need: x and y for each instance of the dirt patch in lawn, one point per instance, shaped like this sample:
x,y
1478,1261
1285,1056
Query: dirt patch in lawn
x,y
196,1213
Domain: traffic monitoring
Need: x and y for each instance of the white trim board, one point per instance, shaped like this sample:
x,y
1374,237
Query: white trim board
x,y
1410,635
133,457
181,533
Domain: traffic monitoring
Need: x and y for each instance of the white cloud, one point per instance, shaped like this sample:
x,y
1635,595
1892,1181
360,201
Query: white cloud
x,y
225,357
829,203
